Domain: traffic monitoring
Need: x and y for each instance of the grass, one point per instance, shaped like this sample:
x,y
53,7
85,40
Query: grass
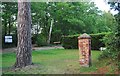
x,y
55,61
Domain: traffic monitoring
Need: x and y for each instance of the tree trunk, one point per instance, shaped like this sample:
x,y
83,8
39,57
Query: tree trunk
x,y
49,37
5,27
9,25
23,54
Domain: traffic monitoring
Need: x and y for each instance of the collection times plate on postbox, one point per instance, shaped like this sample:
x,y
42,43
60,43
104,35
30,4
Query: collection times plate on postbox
x,y
8,39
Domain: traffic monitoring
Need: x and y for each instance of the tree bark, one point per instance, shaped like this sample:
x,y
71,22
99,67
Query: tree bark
x,y
5,27
23,54
49,37
9,25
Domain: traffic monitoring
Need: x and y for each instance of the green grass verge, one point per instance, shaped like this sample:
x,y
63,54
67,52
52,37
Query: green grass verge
x,y
55,61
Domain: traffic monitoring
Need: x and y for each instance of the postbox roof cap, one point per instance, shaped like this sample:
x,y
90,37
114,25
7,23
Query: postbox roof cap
x,y
84,36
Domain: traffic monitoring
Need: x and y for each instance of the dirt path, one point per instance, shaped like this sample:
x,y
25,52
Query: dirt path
x,y
34,48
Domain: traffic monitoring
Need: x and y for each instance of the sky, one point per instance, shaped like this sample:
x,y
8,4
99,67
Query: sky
x,y
104,6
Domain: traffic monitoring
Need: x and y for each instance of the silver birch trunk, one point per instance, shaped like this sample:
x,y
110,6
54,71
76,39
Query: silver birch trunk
x,y
49,37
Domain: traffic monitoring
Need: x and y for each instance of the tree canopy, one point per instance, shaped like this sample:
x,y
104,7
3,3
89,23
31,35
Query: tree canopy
x,y
69,18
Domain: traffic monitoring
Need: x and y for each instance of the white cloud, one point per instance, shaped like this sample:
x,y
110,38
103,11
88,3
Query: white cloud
x,y
103,5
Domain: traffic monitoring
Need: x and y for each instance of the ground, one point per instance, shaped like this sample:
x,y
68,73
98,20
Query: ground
x,y
58,61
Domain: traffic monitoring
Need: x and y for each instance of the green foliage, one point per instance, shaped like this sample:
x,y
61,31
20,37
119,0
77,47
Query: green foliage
x,y
40,40
56,36
107,40
112,41
9,17
96,41
69,18
71,41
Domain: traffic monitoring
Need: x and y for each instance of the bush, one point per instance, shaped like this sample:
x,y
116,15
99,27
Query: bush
x,y
56,36
34,38
41,40
71,42
97,41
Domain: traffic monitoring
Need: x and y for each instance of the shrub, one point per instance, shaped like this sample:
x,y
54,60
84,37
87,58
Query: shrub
x,y
34,38
97,41
41,40
56,36
112,42
71,41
